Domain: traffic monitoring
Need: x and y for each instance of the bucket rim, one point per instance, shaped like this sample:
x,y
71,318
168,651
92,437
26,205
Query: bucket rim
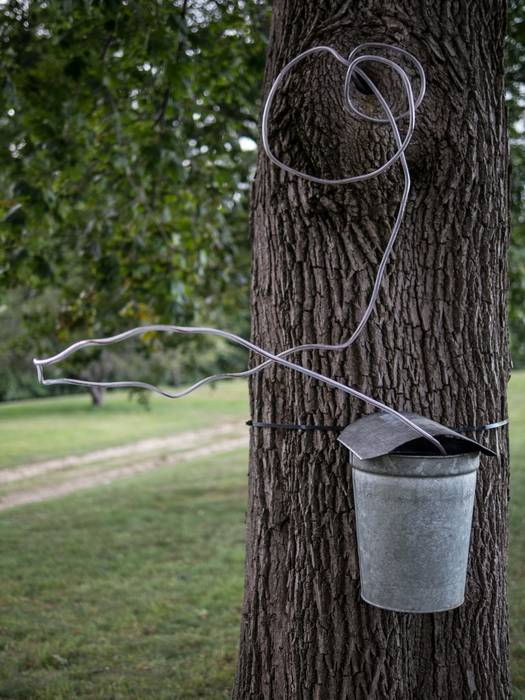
x,y
419,466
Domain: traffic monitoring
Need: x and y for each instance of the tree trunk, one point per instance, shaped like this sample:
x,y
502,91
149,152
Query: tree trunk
x,y
97,394
436,344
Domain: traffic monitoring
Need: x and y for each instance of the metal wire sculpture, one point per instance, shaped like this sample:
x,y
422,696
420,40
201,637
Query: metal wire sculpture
x,y
357,57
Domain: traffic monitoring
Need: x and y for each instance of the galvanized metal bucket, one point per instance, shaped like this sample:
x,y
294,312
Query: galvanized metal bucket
x,y
413,513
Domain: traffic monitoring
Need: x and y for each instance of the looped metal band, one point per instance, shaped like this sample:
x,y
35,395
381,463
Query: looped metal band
x,y
352,64
482,428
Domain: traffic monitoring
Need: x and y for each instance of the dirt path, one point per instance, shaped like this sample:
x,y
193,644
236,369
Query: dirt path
x,y
84,481
157,452
181,441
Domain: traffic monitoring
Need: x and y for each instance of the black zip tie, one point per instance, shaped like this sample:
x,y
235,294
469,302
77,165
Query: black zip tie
x,y
338,428
294,426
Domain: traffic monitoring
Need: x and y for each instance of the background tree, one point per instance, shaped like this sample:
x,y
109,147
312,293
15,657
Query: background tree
x,y
437,344
516,103
125,171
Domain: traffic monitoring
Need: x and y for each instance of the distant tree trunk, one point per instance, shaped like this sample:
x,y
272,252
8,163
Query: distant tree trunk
x,y
97,394
437,344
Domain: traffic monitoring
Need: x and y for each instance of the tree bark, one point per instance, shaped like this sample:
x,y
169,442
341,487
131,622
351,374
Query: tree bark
x,y
437,345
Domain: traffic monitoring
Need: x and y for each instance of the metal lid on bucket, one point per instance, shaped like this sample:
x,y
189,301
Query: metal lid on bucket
x,y
381,434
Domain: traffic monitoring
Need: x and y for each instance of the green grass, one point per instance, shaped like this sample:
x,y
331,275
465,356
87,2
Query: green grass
x,y
517,530
45,428
133,590
128,591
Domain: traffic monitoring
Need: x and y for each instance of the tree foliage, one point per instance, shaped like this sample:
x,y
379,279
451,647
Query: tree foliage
x,y
516,103
124,178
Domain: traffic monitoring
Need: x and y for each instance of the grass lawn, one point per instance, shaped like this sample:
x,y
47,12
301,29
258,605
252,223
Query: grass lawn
x,y
133,590
128,591
37,430
517,532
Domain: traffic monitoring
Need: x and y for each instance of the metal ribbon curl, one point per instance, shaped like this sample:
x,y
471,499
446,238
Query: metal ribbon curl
x,y
352,64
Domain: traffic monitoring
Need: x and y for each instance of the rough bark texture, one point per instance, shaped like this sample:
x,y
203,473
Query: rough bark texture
x,y
437,344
